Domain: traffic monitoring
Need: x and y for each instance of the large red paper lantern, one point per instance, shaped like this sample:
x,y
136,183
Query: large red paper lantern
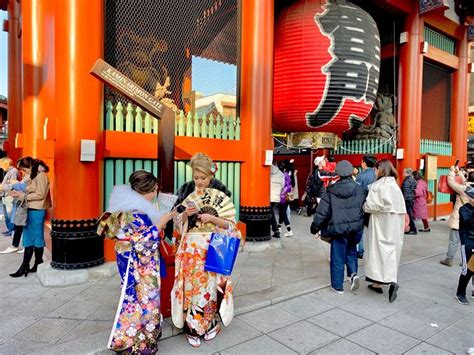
x,y
327,63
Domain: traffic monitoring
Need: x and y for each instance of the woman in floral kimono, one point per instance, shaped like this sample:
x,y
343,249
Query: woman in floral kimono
x,y
135,225
198,296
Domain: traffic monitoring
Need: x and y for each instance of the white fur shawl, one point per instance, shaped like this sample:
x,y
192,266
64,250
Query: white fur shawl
x,y
123,198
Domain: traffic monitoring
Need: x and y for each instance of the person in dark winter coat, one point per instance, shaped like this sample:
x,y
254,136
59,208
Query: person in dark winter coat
x,y
339,216
409,194
466,234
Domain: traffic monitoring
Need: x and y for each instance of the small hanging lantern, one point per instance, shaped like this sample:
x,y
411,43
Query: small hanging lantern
x,y
327,64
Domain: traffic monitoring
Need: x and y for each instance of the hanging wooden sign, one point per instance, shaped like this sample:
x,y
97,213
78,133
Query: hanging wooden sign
x,y
119,82
470,33
430,5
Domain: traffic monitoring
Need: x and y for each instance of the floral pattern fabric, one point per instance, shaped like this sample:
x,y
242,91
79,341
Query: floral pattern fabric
x,y
137,324
199,296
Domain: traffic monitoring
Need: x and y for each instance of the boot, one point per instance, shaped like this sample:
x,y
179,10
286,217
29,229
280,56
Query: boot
x,y
447,262
38,258
25,265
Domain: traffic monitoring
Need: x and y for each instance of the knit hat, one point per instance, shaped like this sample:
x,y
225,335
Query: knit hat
x,y
344,168
318,160
469,191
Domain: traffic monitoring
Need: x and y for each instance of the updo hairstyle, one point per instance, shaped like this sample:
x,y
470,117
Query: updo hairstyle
x,y
143,182
202,162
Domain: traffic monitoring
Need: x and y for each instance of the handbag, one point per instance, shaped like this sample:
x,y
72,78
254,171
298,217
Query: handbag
x,y
443,184
222,253
470,264
289,197
429,197
21,213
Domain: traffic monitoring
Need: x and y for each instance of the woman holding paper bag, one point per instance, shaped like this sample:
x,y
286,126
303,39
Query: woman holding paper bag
x,y
135,225
198,296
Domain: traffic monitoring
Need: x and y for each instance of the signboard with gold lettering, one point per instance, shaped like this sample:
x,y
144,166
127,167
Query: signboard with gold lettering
x,y
118,81
431,167
313,140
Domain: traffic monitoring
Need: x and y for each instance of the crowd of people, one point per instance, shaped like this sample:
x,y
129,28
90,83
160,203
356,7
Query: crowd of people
x,y
351,208
362,214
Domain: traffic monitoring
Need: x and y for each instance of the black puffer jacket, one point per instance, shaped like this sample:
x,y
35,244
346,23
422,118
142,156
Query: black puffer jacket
x,y
408,188
340,211
466,225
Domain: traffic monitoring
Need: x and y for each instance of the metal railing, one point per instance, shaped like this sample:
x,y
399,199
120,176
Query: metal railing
x,y
436,147
365,146
439,40
131,118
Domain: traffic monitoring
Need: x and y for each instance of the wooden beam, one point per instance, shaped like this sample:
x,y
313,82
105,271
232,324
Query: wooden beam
x,y
218,149
442,57
117,145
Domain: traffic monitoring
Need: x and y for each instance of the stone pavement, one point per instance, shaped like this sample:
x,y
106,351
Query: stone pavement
x,y
282,305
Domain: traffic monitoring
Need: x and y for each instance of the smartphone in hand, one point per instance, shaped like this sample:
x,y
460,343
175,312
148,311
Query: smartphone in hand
x,y
191,204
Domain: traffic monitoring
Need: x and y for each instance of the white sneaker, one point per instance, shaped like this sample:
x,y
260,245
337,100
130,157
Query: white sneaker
x,y
21,251
355,282
337,291
9,250
288,234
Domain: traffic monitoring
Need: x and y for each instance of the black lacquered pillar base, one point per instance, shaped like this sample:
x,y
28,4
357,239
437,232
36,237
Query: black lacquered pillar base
x,y
258,221
75,244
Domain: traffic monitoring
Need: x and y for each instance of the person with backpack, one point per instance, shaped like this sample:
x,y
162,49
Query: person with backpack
x,y
420,208
316,184
408,190
339,216
466,234
277,182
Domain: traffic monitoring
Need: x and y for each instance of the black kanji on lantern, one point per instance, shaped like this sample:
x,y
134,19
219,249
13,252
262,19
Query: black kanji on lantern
x,y
354,70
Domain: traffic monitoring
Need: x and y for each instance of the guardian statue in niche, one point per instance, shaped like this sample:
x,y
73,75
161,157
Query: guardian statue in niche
x,y
142,55
384,121
144,64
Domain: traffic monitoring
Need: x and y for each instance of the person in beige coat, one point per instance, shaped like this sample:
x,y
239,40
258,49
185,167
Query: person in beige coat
x,y
459,187
387,210
38,201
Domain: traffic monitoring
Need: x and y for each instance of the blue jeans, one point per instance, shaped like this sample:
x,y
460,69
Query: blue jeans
x,y
343,252
8,223
360,246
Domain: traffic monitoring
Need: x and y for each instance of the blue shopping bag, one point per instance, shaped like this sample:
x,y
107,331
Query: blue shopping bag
x,y
221,254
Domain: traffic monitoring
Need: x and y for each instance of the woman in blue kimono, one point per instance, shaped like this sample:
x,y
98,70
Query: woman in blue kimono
x,y
135,225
